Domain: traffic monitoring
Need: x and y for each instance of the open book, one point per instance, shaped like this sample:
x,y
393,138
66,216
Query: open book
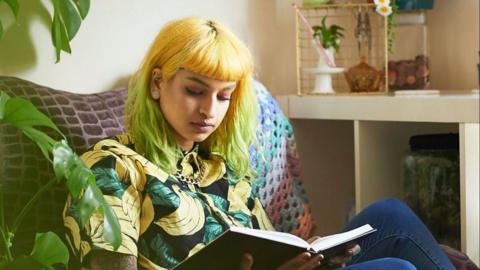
x,y
269,248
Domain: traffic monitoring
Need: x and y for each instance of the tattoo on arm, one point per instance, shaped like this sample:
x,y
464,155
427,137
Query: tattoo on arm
x,y
108,260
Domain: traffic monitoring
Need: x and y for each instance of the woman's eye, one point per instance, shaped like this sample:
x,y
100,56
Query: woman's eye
x,y
193,92
224,98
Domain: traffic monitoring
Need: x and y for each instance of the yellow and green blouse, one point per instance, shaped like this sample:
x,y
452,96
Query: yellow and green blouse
x,y
164,218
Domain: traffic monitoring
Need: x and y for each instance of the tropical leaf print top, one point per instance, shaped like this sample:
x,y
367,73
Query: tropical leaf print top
x,y
164,218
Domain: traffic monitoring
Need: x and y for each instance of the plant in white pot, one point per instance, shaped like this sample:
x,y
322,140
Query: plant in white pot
x,y
329,37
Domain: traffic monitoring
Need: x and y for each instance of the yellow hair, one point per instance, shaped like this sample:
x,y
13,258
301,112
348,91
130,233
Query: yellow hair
x,y
209,49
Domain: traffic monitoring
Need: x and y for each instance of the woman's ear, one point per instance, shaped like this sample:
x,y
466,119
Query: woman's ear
x,y
155,83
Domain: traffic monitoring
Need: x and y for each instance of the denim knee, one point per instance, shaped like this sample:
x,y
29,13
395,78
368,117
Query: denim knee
x,y
392,208
389,203
397,264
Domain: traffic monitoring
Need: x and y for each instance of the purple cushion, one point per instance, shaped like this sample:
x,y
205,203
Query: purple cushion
x,y
459,259
84,119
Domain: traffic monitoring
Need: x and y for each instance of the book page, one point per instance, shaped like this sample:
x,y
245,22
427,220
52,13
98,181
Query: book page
x,y
327,242
273,235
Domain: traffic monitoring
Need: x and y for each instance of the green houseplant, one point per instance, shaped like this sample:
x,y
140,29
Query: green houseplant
x,y
329,35
48,248
66,19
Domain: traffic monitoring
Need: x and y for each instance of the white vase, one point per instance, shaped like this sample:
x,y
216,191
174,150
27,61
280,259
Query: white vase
x,y
323,79
322,62
323,73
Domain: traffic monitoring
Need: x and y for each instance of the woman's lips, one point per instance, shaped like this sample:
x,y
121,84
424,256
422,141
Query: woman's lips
x,y
202,127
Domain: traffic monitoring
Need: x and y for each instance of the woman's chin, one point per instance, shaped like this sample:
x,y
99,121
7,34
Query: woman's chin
x,y
198,138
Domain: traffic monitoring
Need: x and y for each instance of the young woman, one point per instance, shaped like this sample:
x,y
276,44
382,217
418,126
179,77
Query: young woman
x,y
180,176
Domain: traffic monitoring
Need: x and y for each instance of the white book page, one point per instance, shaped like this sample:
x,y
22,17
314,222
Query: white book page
x,y
327,242
273,235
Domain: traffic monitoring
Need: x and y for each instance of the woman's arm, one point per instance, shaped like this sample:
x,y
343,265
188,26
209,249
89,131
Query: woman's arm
x,y
108,260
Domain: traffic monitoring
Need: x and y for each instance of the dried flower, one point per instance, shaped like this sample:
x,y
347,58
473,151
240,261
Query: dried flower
x,y
384,10
382,2
387,9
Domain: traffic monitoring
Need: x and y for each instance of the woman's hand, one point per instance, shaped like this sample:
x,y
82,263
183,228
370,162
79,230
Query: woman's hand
x,y
342,259
304,261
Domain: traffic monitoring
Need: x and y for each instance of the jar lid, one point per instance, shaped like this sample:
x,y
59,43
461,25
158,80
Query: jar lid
x,y
434,142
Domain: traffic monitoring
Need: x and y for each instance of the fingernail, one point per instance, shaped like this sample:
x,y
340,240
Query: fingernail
x,y
306,257
321,256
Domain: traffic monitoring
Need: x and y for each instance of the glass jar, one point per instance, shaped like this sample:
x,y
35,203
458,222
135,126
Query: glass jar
x,y
408,66
431,181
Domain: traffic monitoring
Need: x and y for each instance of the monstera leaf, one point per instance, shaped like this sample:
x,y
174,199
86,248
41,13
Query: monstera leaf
x,y
66,20
13,4
67,17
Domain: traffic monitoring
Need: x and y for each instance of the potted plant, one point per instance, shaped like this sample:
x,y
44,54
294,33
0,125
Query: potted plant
x,y
48,249
67,17
329,37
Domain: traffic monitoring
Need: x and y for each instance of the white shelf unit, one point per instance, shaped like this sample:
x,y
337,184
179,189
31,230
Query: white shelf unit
x,y
381,127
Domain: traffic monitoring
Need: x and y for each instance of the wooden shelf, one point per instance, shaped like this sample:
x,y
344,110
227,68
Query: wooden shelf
x,y
440,109
380,127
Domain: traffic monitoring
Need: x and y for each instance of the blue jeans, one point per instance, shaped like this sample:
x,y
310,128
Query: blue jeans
x,y
402,241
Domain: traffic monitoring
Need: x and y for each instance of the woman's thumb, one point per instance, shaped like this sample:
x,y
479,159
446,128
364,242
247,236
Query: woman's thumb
x,y
247,262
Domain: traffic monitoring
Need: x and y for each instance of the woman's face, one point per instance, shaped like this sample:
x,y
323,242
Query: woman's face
x,y
193,105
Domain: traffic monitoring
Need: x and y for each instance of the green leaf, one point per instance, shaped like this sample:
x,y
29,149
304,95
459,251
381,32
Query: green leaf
x,y
13,4
111,227
24,262
3,102
21,112
79,179
67,164
63,159
41,139
66,22
1,30
323,22
59,36
69,17
56,37
49,249
83,7
92,200
88,203
335,28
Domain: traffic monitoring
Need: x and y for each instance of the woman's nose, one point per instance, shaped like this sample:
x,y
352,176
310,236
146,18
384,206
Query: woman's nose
x,y
207,108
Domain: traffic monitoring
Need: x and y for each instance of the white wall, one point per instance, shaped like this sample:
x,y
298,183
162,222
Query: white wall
x,y
454,44
116,34
113,39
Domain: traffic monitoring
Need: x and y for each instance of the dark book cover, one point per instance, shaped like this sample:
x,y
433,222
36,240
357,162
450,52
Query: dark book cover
x,y
227,250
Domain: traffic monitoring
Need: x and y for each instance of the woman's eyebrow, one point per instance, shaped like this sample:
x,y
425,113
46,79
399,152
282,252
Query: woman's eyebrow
x,y
195,79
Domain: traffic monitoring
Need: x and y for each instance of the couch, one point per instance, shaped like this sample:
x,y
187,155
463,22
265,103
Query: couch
x,y
87,118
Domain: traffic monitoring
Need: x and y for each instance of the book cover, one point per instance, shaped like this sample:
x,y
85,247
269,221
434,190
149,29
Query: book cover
x,y
269,249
